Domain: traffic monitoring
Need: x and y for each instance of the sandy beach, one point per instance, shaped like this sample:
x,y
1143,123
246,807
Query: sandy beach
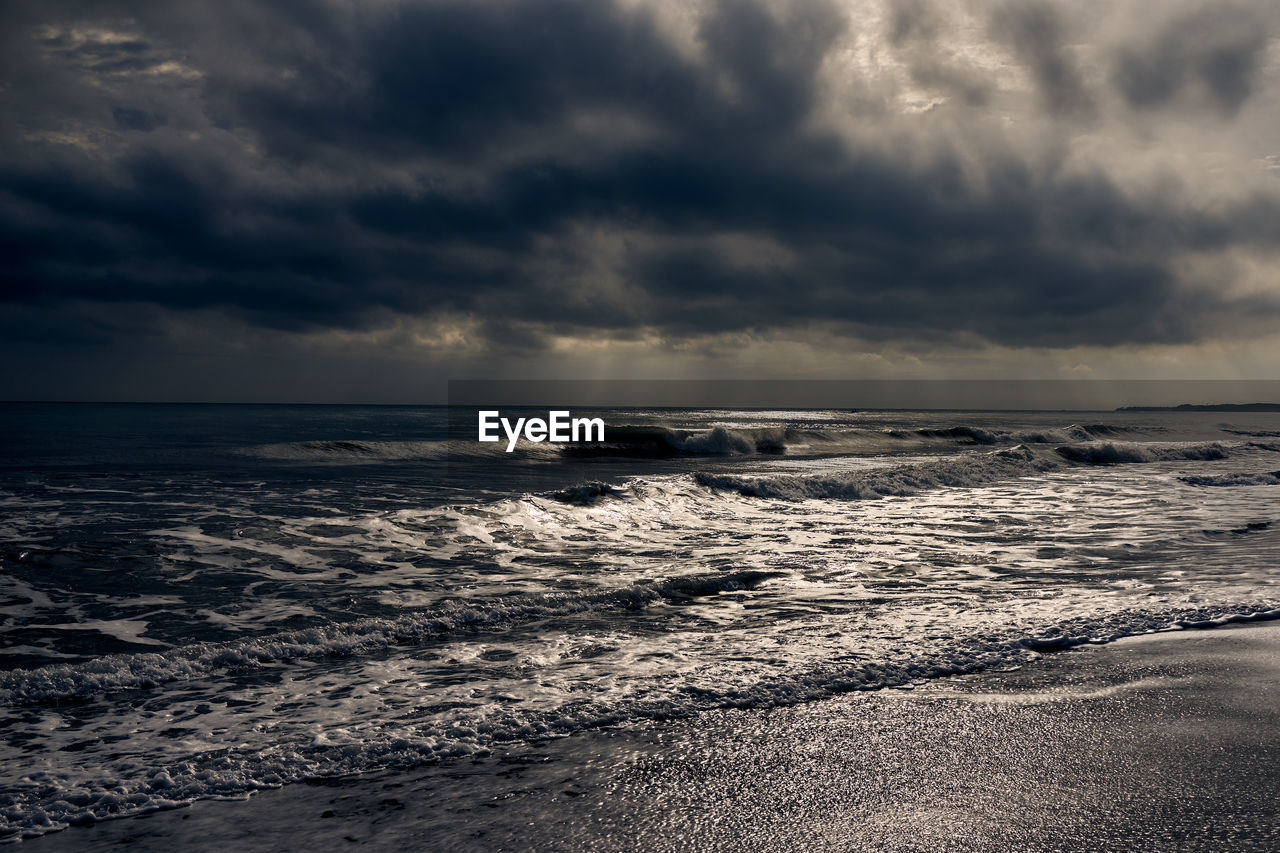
x,y
1159,742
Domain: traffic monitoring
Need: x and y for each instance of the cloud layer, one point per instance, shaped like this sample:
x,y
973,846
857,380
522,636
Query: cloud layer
x,y
514,175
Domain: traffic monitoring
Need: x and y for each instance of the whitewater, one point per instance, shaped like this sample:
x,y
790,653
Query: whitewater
x,y
203,601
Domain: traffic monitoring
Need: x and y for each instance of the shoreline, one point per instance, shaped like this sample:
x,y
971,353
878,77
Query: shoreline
x,y
1152,742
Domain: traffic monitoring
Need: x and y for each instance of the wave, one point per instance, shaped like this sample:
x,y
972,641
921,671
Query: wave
x,y
1106,453
720,441
114,673
977,435
347,452
587,494
668,442
1073,433
966,471
1268,479
973,435
237,771
899,480
1248,529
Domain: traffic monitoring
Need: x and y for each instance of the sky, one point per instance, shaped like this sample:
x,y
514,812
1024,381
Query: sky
x,y
322,200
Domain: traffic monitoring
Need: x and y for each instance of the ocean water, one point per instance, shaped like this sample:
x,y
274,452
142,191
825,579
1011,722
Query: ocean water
x,y
202,601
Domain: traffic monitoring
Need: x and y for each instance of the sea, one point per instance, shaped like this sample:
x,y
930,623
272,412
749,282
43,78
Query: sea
x,y
203,601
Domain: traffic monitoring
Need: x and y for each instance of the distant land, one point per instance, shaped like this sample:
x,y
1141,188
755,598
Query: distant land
x,y
1215,407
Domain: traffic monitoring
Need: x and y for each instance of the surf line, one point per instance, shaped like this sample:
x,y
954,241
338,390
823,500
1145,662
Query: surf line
x,y
560,427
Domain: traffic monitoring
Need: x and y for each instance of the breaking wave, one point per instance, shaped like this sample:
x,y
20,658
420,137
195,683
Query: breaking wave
x,y
237,771
899,480
965,471
972,435
666,442
1267,479
663,442
587,494
1105,453
349,451
345,639
721,441
977,435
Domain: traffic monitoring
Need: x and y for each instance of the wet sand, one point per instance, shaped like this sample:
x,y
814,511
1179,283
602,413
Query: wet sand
x,y
1154,743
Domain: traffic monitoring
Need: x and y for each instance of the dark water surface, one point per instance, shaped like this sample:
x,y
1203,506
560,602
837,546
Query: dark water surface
x,y
197,601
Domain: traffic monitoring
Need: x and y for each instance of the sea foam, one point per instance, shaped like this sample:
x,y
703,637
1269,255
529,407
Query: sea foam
x,y
113,673
47,804
964,471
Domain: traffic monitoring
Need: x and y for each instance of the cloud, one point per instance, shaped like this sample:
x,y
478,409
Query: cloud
x,y
1211,56
1037,34
554,169
915,29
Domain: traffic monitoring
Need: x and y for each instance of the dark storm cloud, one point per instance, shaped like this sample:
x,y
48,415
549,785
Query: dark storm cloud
x,y
131,119
1212,55
324,166
914,27
1037,34
456,79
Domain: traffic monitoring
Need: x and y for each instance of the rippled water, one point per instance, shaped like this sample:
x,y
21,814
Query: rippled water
x,y
199,601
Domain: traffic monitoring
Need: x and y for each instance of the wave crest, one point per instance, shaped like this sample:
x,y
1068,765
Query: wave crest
x,y
238,771
114,673
966,471
1108,453
1269,479
899,480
